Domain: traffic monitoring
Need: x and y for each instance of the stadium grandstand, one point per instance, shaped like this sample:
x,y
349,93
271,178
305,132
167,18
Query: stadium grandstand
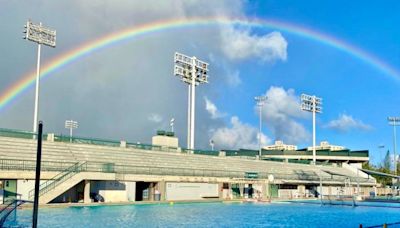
x,y
90,170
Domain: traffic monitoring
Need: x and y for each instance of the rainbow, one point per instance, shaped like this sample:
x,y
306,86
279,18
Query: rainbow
x,y
64,59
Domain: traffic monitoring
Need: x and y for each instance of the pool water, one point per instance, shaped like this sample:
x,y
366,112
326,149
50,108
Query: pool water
x,y
212,215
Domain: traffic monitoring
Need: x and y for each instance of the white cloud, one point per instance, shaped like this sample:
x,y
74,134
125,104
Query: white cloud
x,y
233,78
238,135
239,44
212,109
154,117
345,123
280,113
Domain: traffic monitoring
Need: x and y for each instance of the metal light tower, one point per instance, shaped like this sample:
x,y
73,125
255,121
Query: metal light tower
x,y
171,123
312,104
260,103
212,144
394,121
40,35
192,72
71,124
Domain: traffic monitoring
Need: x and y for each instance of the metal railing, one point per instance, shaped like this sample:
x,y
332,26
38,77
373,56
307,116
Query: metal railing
x,y
17,133
9,208
73,168
242,152
30,165
59,178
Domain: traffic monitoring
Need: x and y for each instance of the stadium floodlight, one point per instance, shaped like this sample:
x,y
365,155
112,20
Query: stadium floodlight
x,y
212,144
394,121
260,103
71,124
192,72
312,104
40,35
171,123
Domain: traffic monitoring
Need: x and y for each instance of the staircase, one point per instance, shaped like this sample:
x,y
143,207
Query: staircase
x,y
59,183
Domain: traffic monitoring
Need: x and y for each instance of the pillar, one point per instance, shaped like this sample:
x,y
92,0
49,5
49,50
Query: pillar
x,y
220,190
162,190
86,195
241,189
264,189
301,189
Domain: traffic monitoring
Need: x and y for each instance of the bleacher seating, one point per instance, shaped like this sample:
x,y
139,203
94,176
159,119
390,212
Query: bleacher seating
x,y
25,149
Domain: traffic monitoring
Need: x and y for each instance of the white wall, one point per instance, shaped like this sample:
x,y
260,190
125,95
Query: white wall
x,y
111,191
353,167
24,186
190,191
131,190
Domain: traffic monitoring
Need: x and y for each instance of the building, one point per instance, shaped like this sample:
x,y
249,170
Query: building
x,y
324,145
279,145
90,170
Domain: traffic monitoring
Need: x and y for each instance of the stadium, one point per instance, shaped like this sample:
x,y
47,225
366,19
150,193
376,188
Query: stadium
x,y
89,170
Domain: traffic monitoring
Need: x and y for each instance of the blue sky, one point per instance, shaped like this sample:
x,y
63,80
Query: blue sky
x,y
119,93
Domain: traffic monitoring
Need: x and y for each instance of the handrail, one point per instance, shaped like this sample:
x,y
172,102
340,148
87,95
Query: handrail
x,y
9,208
154,170
59,178
241,152
29,165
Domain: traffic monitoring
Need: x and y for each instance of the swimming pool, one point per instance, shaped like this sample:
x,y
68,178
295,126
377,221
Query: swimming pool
x,y
212,215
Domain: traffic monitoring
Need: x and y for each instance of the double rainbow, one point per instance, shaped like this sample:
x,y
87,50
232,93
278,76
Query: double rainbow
x,y
10,94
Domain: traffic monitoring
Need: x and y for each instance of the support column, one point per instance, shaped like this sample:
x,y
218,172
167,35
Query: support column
x,y
264,189
86,195
162,190
220,190
241,189
230,191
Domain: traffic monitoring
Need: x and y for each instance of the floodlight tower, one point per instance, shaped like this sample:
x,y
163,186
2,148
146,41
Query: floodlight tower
x,y
171,124
212,144
394,121
312,104
193,72
71,124
40,35
260,103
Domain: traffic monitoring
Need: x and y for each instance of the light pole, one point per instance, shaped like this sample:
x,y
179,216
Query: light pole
x,y
312,104
171,123
212,144
260,103
71,124
40,35
394,121
192,72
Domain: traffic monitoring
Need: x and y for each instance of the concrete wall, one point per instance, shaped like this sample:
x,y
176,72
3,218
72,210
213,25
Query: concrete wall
x,y
190,191
24,186
114,191
162,140
131,191
354,167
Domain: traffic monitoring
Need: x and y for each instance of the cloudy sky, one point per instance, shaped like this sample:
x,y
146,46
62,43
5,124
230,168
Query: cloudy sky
x,y
128,91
